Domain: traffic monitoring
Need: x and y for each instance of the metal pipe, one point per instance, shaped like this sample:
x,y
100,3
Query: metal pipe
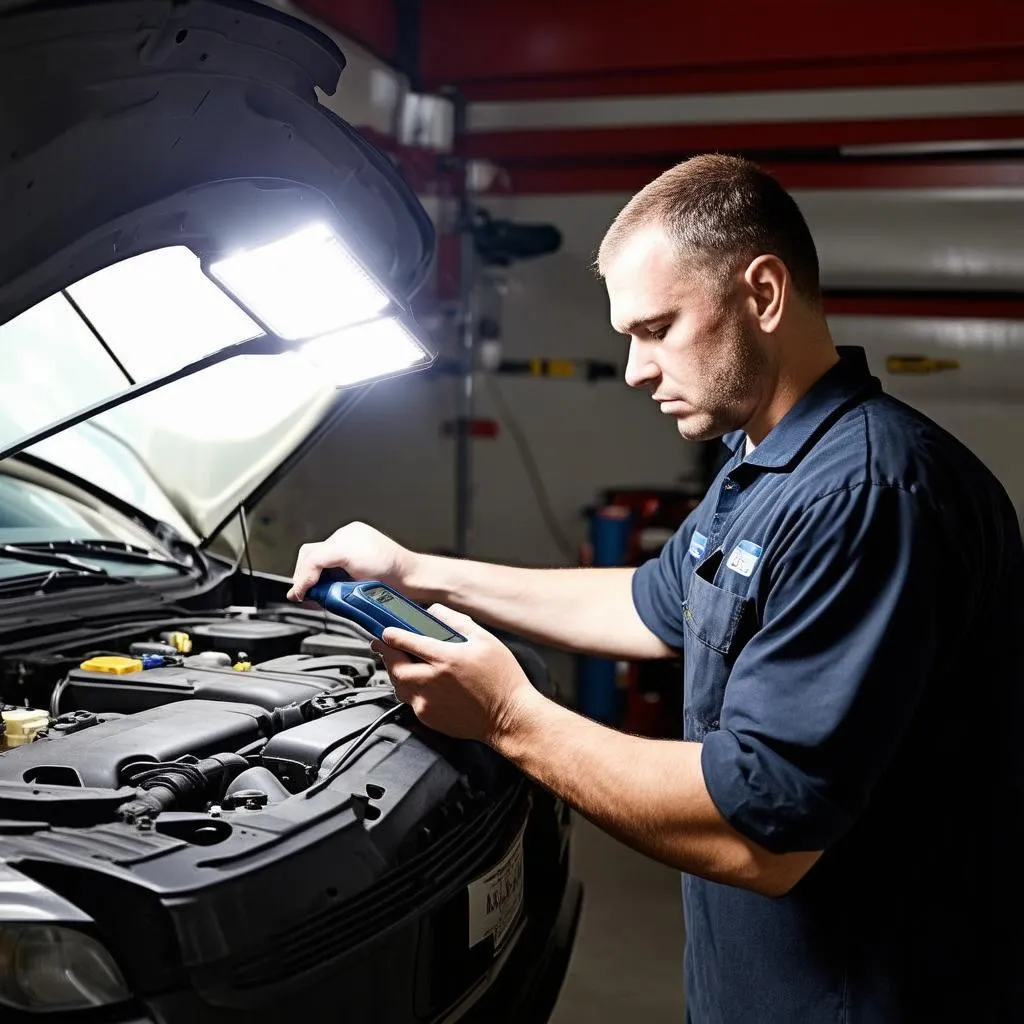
x,y
467,344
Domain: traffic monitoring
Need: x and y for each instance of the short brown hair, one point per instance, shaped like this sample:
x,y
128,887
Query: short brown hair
x,y
722,211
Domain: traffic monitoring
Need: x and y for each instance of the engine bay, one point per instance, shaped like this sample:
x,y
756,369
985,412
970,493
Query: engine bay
x,y
195,690
218,715
252,776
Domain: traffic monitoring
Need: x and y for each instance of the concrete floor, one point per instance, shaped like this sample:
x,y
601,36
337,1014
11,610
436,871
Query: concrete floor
x,y
628,961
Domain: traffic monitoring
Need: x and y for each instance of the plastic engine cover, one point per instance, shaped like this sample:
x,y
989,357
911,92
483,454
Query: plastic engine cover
x,y
259,640
295,756
154,687
95,756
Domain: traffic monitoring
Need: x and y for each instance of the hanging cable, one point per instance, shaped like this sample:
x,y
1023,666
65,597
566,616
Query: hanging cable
x,y
532,471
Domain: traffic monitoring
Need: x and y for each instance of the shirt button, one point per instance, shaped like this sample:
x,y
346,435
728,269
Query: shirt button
x,y
729,485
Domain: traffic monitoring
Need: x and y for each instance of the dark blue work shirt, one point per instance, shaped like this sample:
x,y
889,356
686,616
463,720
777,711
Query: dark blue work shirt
x,y
848,602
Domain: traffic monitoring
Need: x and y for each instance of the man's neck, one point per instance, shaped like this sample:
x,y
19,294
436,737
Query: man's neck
x,y
792,383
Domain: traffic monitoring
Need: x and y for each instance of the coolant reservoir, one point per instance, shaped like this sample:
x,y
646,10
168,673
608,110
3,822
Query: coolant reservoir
x,y
21,726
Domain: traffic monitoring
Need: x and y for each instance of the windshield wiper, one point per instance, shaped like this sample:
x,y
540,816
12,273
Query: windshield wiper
x,y
56,579
113,550
35,555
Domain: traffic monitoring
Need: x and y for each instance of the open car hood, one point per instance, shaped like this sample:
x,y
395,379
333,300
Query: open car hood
x,y
153,134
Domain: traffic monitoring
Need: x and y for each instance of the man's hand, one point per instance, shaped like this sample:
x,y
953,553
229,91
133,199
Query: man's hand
x,y
363,552
474,690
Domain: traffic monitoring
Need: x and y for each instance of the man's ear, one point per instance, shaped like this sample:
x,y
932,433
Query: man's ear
x,y
768,285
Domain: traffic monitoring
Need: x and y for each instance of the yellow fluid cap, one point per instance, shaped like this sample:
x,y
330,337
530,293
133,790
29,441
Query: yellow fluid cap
x,y
180,641
22,724
112,664
242,666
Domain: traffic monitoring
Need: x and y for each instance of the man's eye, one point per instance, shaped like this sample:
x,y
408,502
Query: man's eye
x,y
658,333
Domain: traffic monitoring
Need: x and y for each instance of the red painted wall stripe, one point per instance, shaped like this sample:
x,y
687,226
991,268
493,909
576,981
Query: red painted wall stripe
x,y
960,69
465,41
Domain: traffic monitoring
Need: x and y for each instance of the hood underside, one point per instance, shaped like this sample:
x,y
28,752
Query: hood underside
x,y
132,127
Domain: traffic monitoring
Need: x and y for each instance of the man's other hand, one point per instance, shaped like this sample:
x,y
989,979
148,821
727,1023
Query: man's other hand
x,y
474,690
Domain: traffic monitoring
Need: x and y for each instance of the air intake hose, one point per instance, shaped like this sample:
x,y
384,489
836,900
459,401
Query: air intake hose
x,y
178,785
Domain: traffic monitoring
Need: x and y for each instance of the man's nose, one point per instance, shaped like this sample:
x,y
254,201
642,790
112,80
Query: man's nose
x,y
640,369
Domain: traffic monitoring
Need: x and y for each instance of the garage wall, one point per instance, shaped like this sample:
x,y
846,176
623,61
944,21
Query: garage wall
x,y
583,437
389,463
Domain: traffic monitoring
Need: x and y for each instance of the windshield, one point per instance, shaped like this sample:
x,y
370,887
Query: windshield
x,y
33,515
188,452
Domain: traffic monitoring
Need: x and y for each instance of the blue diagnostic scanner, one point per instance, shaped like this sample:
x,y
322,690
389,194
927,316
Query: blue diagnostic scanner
x,y
376,606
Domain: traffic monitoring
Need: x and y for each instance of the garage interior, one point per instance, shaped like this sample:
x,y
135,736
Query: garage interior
x,y
522,129
900,136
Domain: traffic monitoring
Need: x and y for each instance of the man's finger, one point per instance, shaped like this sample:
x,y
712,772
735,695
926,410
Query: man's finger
x,y
307,572
459,621
389,655
414,674
423,647
450,617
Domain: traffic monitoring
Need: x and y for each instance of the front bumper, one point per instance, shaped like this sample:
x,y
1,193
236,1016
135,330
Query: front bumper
x,y
522,988
527,988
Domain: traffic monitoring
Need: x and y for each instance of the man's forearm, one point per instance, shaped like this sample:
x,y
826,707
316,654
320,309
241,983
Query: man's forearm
x,y
582,610
650,794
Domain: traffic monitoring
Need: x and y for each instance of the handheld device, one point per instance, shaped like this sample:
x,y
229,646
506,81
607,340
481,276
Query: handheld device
x,y
375,606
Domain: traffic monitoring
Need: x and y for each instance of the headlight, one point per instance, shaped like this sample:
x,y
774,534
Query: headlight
x,y
45,969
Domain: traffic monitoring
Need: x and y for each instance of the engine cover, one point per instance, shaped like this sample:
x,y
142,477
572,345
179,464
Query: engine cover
x,y
97,755
154,687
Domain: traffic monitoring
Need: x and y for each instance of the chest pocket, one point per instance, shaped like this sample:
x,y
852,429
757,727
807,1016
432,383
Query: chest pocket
x,y
718,623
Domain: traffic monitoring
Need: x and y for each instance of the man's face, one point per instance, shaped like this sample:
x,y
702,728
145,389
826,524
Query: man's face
x,y
691,342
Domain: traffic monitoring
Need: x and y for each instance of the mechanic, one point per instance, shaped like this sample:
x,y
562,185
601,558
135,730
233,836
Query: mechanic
x,y
845,804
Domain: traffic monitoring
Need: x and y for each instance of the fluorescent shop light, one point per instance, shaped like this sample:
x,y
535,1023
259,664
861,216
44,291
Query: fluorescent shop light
x,y
303,285
365,352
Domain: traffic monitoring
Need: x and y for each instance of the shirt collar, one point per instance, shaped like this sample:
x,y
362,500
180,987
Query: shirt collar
x,y
799,428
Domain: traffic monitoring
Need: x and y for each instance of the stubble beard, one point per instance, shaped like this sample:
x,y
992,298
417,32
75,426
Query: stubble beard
x,y
730,389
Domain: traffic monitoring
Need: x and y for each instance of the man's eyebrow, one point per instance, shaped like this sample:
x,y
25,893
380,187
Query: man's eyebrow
x,y
645,321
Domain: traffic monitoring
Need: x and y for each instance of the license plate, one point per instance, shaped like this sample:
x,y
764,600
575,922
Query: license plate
x,y
496,898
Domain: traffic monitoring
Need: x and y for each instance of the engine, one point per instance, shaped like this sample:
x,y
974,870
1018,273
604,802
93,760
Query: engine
x,y
219,717
246,793
231,687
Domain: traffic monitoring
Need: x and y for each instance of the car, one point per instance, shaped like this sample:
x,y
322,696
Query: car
x,y
213,807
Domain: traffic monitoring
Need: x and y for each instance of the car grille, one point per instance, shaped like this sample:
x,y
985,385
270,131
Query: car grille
x,y
458,856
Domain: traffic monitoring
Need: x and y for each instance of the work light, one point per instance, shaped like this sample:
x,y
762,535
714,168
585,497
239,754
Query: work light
x,y
303,285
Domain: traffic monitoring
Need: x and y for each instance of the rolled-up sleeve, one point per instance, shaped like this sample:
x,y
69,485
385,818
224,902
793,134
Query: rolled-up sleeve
x,y
658,587
820,697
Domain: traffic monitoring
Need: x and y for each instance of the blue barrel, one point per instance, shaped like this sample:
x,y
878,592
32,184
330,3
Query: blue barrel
x,y
597,695
609,534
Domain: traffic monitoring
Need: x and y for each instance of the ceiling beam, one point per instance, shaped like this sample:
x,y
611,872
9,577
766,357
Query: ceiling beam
x,y
535,49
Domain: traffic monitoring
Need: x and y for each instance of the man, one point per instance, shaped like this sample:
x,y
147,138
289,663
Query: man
x,y
847,601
